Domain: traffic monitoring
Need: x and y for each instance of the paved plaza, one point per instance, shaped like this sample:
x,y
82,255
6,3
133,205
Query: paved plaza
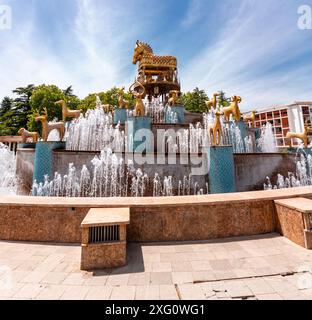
x,y
259,267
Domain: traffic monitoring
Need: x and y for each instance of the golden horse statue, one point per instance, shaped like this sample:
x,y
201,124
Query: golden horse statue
x,y
212,103
144,53
47,127
301,136
251,118
67,113
26,134
233,109
215,130
139,105
173,101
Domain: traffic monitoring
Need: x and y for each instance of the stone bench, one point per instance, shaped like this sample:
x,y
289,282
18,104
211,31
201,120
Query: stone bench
x,y
104,238
294,220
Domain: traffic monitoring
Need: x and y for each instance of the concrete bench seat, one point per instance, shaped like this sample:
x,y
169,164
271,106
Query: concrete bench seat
x,y
104,238
294,220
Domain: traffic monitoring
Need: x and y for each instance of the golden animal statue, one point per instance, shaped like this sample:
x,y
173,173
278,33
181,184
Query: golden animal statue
x,y
233,109
215,130
26,135
67,113
108,108
251,118
158,74
139,105
144,53
47,127
212,103
301,136
123,104
173,101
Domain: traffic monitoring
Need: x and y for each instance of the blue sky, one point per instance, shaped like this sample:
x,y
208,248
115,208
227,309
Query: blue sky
x,y
251,48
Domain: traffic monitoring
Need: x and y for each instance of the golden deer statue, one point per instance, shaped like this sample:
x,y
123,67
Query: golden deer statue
x,y
301,136
251,118
173,101
67,113
48,127
122,103
233,109
215,130
212,103
26,134
139,105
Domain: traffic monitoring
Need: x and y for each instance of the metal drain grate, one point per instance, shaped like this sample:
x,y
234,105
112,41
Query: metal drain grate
x,y
104,234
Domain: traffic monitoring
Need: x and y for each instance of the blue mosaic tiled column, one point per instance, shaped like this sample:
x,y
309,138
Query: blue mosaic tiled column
x,y
43,164
137,127
221,174
180,111
120,115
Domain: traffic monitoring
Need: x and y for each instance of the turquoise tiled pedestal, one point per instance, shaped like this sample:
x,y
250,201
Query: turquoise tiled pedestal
x,y
139,134
221,174
120,115
44,159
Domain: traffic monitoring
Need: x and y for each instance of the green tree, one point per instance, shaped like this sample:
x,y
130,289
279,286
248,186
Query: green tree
x,y
194,101
45,96
21,108
7,117
223,100
107,97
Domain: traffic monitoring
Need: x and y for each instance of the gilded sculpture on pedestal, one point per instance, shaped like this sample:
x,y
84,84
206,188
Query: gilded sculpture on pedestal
x,y
26,135
301,136
215,130
173,101
233,109
47,127
158,74
122,103
67,113
251,118
212,103
139,96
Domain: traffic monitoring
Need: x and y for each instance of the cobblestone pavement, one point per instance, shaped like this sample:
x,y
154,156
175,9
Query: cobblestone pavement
x,y
260,267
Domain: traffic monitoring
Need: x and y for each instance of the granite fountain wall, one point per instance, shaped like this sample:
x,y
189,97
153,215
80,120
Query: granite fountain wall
x,y
250,169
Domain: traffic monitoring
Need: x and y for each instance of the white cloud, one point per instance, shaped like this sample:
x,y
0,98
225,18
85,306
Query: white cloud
x,y
250,43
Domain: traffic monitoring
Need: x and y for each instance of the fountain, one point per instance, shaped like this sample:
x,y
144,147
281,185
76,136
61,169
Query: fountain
x,y
151,149
8,180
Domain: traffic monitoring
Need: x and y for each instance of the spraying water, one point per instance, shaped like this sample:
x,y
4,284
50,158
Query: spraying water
x,y
8,181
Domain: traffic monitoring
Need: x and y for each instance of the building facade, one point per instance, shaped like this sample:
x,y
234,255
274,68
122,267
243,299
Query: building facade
x,y
285,118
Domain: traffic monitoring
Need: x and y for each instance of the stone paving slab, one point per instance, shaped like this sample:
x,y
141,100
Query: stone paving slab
x,y
264,267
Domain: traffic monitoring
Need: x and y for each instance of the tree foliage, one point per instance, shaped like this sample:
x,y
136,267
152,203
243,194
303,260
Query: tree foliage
x,y
194,101
44,97
107,97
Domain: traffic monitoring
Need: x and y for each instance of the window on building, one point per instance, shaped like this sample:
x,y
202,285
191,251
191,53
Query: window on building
x,y
284,113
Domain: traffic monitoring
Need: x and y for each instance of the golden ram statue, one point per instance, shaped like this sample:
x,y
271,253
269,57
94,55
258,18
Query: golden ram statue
x,y
251,118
